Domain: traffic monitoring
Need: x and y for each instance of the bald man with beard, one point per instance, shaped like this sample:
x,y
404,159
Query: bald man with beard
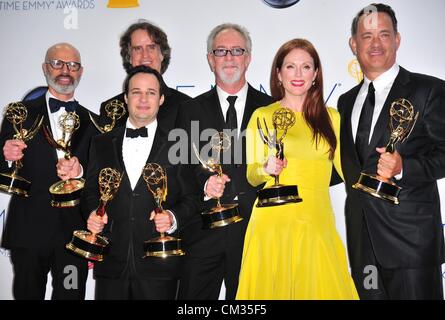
x,y
36,232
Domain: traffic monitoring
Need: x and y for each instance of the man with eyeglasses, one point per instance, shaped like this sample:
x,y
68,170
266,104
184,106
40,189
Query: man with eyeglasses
x,y
143,43
36,232
214,255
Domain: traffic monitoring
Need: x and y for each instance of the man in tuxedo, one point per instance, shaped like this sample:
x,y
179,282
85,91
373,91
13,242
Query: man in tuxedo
x,y
395,251
144,43
124,273
36,232
214,255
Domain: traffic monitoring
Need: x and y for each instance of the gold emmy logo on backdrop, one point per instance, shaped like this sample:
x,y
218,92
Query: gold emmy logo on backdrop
x,y
401,123
278,194
223,214
355,71
12,183
114,110
65,193
87,244
122,3
163,246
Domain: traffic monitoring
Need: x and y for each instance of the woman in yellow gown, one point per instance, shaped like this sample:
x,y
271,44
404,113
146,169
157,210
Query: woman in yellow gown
x,y
293,251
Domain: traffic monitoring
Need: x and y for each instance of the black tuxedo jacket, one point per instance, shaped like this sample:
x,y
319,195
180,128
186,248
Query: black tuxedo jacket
x,y
166,115
408,235
32,222
128,213
207,111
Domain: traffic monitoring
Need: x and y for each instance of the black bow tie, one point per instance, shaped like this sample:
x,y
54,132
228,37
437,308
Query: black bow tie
x,y
55,105
134,133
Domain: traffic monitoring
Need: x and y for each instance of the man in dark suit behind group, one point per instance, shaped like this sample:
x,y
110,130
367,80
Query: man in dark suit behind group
x,y
401,244
36,232
215,255
144,43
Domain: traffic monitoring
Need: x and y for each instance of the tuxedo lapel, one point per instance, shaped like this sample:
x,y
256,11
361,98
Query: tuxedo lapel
x,y
159,143
117,140
348,142
78,135
214,111
249,108
39,109
381,134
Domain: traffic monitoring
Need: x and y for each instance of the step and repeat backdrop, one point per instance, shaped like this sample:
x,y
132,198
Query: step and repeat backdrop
x,y
29,27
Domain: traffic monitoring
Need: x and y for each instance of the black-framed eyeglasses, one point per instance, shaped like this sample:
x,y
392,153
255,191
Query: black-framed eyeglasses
x,y
58,64
236,52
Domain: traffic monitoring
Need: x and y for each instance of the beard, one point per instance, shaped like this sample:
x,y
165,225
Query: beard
x,y
59,88
229,78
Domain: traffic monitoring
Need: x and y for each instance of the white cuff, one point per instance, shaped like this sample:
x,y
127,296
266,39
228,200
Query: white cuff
x,y
206,198
174,224
399,176
81,172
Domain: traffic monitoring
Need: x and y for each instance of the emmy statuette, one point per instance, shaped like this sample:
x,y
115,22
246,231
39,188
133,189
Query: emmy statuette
x,y
12,183
278,194
67,193
401,123
85,243
222,214
163,246
115,110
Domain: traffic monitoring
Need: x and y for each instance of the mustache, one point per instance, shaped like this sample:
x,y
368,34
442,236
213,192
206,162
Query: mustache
x,y
230,65
64,76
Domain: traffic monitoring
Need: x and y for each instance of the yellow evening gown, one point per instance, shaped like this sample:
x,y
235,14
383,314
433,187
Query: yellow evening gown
x,y
293,251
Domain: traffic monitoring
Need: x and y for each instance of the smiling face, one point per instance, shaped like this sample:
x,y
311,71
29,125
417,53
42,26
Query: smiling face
x,y
297,73
144,51
230,71
143,99
62,82
375,44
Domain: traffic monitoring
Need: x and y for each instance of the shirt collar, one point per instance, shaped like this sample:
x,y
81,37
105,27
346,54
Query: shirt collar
x,y
385,79
241,94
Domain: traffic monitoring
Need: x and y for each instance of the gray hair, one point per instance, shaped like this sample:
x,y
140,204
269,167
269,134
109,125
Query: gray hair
x,y
225,26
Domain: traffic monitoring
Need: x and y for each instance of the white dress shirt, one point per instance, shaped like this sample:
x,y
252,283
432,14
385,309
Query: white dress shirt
x,y
135,152
54,122
56,129
382,85
240,103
